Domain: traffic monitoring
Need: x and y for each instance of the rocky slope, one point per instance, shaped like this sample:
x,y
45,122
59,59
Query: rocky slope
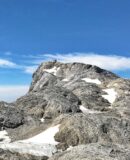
x,y
72,111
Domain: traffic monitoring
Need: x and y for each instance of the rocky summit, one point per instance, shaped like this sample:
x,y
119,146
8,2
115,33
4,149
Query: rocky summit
x,y
72,111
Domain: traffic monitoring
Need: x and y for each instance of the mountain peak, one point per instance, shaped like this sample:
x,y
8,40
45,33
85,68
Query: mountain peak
x,y
72,111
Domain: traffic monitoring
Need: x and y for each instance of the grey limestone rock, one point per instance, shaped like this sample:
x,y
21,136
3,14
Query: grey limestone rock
x,y
8,155
10,117
94,151
98,131
91,128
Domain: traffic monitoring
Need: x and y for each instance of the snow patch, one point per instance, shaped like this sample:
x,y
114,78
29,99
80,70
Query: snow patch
x,y
89,80
85,110
111,94
65,80
42,120
46,137
4,138
70,148
52,70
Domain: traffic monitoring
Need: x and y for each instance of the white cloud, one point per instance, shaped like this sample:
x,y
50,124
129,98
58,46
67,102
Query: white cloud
x,y
10,93
110,62
30,69
6,63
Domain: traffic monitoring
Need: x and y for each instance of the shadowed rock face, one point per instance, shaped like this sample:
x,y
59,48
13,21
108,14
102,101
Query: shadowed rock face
x,y
50,102
10,117
90,105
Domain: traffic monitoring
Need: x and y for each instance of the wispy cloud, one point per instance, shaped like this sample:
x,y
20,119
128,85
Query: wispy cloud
x,y
6,63
11,93
28,69
109,62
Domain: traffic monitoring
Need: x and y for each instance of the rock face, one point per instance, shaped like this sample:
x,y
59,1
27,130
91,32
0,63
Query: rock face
x,y
7,155
94,151
10,117
72,111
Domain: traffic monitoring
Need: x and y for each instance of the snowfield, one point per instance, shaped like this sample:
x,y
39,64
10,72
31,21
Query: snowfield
x,y
46,137
30,148
42,144
89,80
111,95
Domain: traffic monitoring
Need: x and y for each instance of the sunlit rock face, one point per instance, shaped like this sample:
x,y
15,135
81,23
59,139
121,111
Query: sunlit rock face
x,y
72,111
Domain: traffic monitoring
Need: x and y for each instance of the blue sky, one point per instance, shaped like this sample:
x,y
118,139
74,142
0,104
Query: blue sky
x,y
32,31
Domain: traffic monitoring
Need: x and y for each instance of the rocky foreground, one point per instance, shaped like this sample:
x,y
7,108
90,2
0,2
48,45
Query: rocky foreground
x,y
71,112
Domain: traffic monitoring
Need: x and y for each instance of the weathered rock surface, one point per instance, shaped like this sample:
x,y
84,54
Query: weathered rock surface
x,y
91,128
85,92
94,151
90,105
7,155
10,117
